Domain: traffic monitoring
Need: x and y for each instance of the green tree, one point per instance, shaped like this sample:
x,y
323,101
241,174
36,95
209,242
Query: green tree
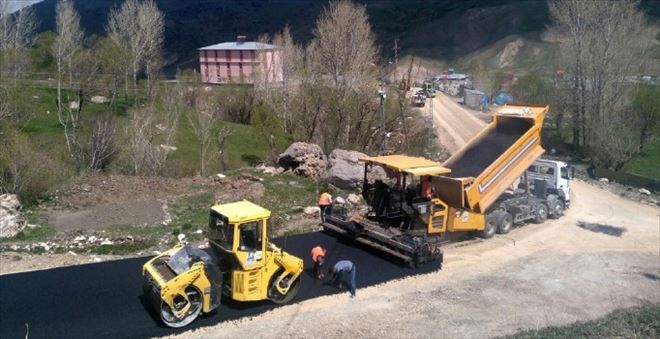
x,y
532,89
268,127
646,105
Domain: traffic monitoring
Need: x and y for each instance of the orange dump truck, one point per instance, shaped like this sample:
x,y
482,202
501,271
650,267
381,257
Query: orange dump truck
x,y
484,187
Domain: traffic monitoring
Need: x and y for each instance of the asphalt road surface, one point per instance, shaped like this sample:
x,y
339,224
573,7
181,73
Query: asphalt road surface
x,y
105,300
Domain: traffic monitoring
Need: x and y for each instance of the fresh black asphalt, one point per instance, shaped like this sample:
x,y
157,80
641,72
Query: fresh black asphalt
x,y
104,300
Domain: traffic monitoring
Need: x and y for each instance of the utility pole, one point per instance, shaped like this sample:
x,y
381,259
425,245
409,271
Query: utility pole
x,y
396,49
382,95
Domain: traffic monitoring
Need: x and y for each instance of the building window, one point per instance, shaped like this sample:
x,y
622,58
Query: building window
x,y
217,68
227,55
240,54
252,53
240,65
216,55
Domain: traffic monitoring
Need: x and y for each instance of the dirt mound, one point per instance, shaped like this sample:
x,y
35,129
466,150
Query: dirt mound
x,y
509,53
102,190
145,212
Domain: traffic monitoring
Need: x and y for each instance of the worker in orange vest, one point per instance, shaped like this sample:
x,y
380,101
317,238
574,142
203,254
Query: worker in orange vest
x,y
325,204
427,187
318,258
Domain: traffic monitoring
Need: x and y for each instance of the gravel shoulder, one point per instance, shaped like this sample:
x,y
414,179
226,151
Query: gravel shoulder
x,y
536,276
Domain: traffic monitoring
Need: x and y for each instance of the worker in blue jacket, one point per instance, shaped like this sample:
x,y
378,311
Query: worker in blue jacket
x,y
344,273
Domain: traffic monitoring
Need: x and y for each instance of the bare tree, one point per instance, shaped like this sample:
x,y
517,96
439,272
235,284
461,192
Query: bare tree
x,y
344,43
138,26
344,51
202,120
17,32
67,44
151,23
144,154
606,45
101,145
224,134
289,57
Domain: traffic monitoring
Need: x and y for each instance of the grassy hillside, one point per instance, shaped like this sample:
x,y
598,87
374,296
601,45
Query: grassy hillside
x,y
45,132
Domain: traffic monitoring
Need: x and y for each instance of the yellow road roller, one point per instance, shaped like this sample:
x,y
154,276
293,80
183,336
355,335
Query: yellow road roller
x,y
240,263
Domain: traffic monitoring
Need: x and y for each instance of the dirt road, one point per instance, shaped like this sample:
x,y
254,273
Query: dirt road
x,y
536,276
456,124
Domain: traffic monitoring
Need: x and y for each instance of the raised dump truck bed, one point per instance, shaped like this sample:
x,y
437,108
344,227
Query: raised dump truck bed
x,y
484,151
498,155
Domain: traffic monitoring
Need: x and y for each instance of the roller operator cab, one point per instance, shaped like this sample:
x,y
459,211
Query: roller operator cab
x,y
241,263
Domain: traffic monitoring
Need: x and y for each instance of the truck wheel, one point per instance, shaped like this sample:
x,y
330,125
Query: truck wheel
x,y
505,223
557,209
541,213
490,227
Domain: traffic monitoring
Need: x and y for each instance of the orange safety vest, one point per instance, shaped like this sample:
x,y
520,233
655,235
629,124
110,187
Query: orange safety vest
x,y
427,189
317,252
325,198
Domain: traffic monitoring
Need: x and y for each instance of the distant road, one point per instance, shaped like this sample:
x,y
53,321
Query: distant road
x,y
456,125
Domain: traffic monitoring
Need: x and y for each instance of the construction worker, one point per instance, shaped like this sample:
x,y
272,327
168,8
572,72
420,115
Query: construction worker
x,y
427,187
344,273
318,258
325,204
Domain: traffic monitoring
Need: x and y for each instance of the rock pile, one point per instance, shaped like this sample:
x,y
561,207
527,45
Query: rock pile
x,y
11,220
304,159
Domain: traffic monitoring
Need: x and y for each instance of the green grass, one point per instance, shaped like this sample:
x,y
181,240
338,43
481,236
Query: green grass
x,y
190,214
242,147
42,232
39,233
636,322
647,163
124,248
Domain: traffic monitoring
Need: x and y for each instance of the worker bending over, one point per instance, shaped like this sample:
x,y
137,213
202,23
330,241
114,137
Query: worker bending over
x,y
344,273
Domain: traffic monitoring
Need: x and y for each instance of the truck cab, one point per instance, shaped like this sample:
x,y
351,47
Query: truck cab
x,y
556,174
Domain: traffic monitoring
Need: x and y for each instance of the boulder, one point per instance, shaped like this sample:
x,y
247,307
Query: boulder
x,y
340,201
312,210
168,148
304,159
99,99
344,169
11,220
604,180
74,105
354,198
267,169
644,191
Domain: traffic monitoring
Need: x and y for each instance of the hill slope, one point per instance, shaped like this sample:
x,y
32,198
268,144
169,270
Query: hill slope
x,y
442,29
